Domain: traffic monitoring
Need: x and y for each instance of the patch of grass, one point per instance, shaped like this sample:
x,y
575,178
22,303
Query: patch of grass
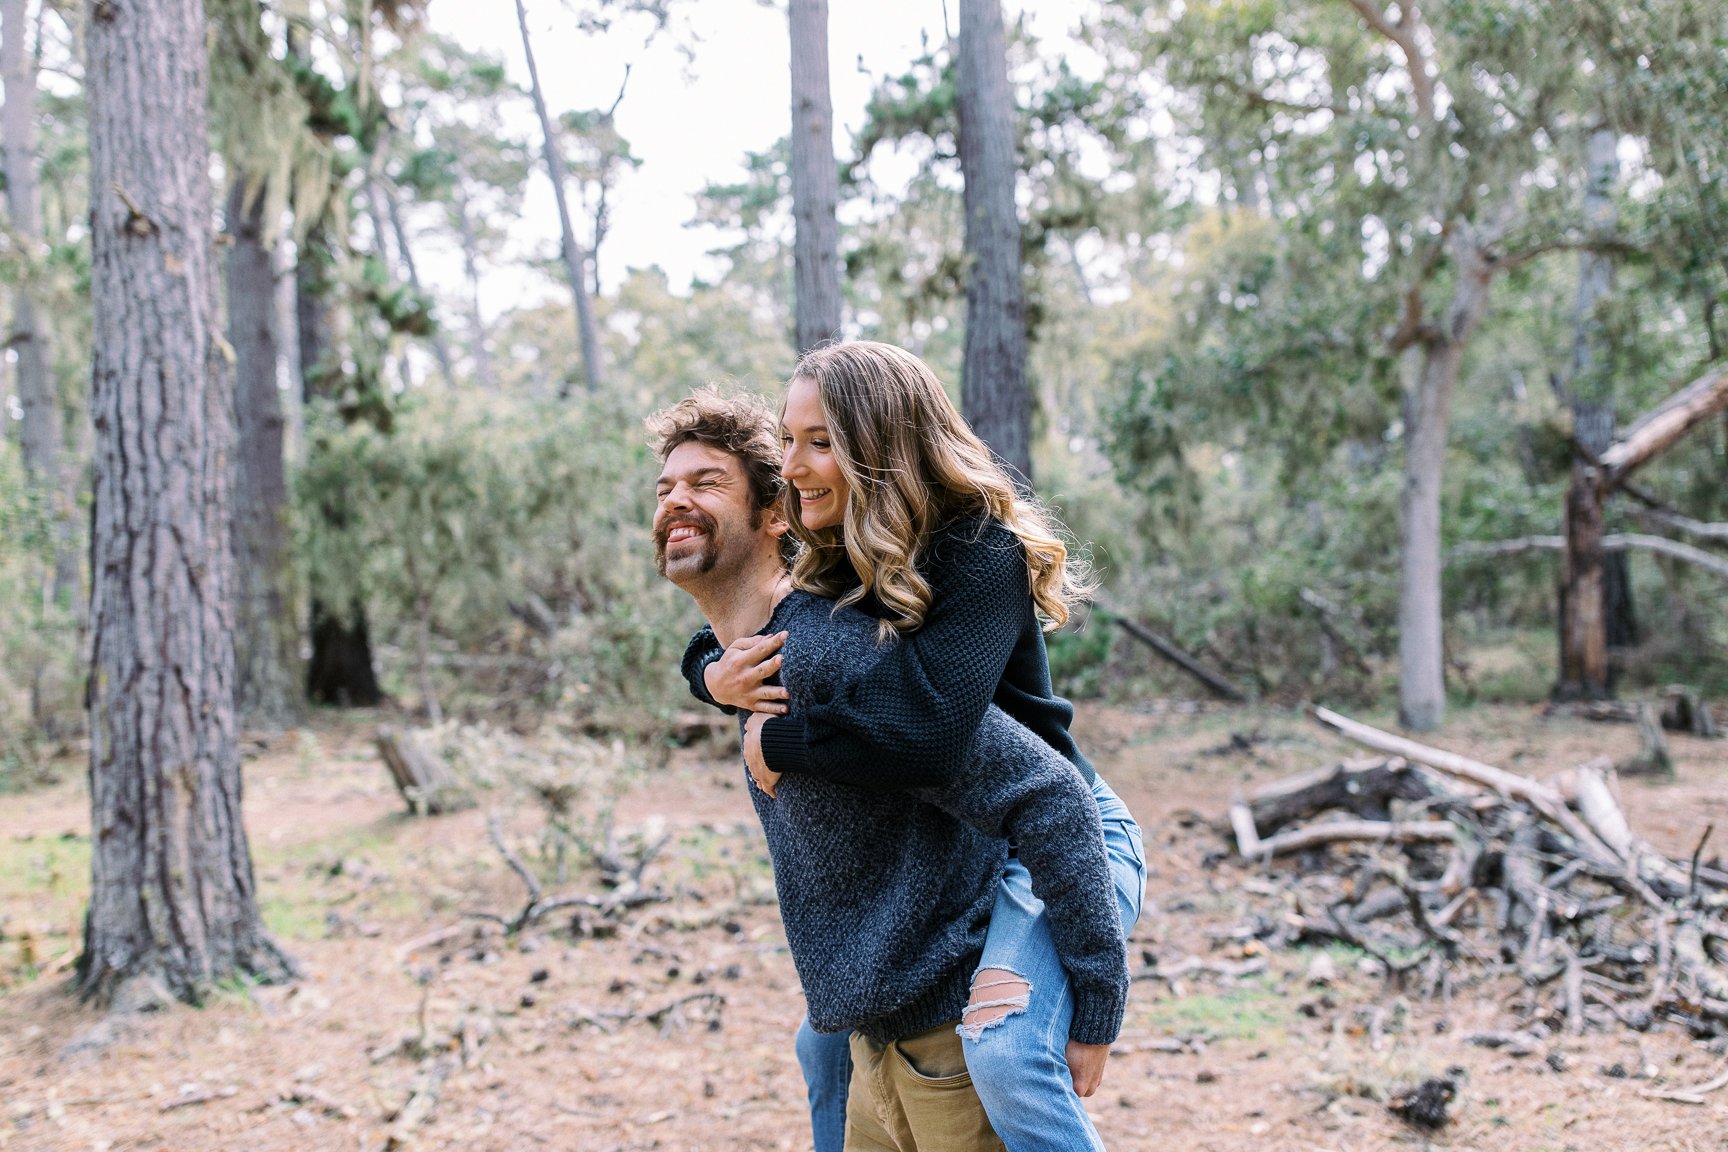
x,y
1254,1009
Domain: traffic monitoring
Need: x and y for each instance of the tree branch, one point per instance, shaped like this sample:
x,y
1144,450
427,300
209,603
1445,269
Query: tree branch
x,y
1402,32
1655,431
1614,542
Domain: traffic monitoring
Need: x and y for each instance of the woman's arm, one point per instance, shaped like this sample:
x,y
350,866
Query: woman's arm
x,y
739,677
907,719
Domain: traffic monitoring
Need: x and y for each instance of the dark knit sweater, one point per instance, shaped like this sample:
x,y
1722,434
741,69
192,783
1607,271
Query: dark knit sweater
x,y
886,896
908,721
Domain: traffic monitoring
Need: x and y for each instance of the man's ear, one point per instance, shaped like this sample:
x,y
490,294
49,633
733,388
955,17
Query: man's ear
x,y
774,521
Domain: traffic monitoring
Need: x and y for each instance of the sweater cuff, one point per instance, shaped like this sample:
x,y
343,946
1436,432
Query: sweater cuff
x,y
783,746
699,685
1097,1015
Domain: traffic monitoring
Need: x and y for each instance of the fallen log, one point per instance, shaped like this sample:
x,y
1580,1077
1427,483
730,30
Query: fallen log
x,y
1506,784
1364,788
1356,831
1175,655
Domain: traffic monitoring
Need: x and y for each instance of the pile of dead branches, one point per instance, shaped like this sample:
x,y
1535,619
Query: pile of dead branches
x,y
1456,871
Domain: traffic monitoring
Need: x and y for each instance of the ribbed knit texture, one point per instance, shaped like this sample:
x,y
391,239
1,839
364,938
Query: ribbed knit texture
x,y
908,721
886,896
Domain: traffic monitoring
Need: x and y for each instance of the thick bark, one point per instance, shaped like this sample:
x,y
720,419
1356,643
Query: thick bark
x,y
587,330
440,345
42,430
1427,419
994,393
266,639
815,180
173,904
1583,624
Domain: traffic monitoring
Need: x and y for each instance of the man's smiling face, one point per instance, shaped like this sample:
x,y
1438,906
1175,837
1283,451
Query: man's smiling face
x,y
704,518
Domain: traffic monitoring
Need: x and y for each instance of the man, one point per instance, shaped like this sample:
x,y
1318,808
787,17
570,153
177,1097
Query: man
x,y
885,896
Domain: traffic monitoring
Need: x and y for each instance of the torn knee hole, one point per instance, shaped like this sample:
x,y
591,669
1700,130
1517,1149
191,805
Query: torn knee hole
x,y
996,995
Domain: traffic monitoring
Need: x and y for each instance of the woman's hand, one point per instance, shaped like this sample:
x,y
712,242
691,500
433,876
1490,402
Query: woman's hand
x,y
766,778
1086,1065
739,679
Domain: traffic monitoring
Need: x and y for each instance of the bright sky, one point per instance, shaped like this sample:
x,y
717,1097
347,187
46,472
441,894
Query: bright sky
x,y
691,122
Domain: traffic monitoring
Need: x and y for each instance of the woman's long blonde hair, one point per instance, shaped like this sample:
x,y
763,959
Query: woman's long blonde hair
x,y
914,465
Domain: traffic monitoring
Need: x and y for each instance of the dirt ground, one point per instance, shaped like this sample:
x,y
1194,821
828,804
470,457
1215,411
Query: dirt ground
x,y
674,1032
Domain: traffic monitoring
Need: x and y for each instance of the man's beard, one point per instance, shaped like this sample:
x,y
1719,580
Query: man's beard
x,y
710,554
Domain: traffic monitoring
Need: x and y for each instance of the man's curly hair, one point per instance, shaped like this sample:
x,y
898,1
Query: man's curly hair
x,y
742,425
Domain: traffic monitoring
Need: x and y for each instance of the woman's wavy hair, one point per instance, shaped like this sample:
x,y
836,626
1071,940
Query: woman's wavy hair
x,y
914,465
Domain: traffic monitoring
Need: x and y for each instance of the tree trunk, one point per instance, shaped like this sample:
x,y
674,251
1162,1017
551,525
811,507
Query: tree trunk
x,y
266,639
994,393
440,345
1583,624
587,330
173,905
1595,593
381,240
42,430
471,266
341,671
815,180
1427,418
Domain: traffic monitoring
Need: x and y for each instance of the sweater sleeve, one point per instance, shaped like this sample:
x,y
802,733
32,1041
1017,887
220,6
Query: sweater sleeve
x,y
907,719
704,648
1017,787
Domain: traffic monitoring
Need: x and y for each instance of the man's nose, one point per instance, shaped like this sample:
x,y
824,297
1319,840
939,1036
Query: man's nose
x,y
678,496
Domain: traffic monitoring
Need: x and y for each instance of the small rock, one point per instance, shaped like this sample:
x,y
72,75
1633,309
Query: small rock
x,y
1424,1106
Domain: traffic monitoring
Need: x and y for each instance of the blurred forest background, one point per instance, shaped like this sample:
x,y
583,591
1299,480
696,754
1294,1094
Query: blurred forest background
x,y
1272,253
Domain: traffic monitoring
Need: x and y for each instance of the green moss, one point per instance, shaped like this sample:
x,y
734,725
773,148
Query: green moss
x,y
1254,1009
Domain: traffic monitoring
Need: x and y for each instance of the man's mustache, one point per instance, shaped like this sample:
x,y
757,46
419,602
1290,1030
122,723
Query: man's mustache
x,y
690,520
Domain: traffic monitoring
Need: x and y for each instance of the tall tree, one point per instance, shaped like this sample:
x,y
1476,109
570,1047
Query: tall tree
x,y
173,904
42,431
587,329
1595,592
994,392
341,670
815,180
266,634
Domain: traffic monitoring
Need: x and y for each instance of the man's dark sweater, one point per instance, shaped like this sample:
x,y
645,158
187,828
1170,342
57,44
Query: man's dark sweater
x,y
886,896
909,720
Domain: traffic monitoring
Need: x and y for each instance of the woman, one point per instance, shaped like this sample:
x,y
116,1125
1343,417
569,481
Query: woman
x,y
901,510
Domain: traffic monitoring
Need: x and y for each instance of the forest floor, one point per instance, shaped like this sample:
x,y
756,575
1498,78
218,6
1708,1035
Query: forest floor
x,y
674,1031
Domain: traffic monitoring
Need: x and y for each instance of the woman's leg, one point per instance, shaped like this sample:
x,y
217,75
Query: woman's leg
x,y
1016,1028
826,1060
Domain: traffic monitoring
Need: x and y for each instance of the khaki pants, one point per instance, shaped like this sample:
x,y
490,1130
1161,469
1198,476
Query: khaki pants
x,y
915,1095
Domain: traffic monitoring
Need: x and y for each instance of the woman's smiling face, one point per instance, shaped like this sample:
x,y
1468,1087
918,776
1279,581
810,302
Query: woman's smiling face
x,y
810,465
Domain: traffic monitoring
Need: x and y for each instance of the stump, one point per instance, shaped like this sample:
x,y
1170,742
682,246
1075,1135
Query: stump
x,y
422,778
1683,711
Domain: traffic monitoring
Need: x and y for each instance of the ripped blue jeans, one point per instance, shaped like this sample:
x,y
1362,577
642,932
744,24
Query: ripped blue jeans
x,y
1019,1063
